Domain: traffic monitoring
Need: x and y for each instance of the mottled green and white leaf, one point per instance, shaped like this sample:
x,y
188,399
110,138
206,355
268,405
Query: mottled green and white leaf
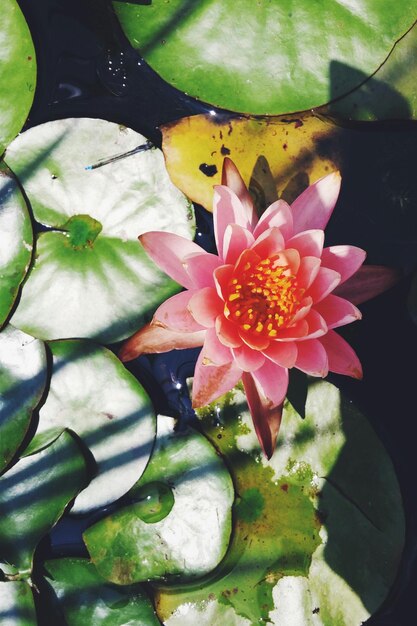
x,y
94,395
33,496
191,535
17,607
16,241
91,277
17,71
23,376
86,598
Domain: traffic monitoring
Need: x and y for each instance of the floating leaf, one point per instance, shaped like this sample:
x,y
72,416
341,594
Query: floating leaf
x,y
390,94
16,241
268,58
85,598
17,71
22,382
94,395
33,496
190,537
285,155
91,277
319,529
17,607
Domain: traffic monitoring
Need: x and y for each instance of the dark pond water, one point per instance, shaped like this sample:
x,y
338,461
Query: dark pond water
x,y
87,68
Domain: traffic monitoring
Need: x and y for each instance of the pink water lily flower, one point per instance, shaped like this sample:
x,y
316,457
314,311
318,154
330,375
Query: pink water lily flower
x,y
264,304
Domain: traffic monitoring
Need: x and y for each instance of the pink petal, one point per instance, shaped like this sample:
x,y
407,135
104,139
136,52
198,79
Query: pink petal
x,y
236,239
342,358
227,332
247,359
324,283
154,338
269,243
296,331
254,340
312,358
289,257
308,243
227,209
337,311
305,307
272,381
200,268
222,277
211,381
168,251
231,178
308,271
214,352
283,354
313,208
278,214
343,259
205,305
368,282
173,313
265,416
316,325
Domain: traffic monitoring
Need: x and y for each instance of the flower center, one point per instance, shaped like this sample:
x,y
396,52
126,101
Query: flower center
x,y
263,295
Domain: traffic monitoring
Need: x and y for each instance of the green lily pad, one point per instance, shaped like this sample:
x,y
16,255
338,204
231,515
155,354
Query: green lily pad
x,y
17,71
94,395
33,496
23,374
91,277
16,241
319,529
17,607
191,535
85,598
388,95
270,57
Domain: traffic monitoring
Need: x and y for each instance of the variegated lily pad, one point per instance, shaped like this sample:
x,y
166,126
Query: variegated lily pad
x,y
17,71
267,57
91,277
33,496
16,241
319,529
23,375
93,394
17,607
179,526
86,599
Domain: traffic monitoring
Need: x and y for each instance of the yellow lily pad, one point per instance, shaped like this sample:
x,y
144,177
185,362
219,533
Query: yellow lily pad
x,y
277,156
